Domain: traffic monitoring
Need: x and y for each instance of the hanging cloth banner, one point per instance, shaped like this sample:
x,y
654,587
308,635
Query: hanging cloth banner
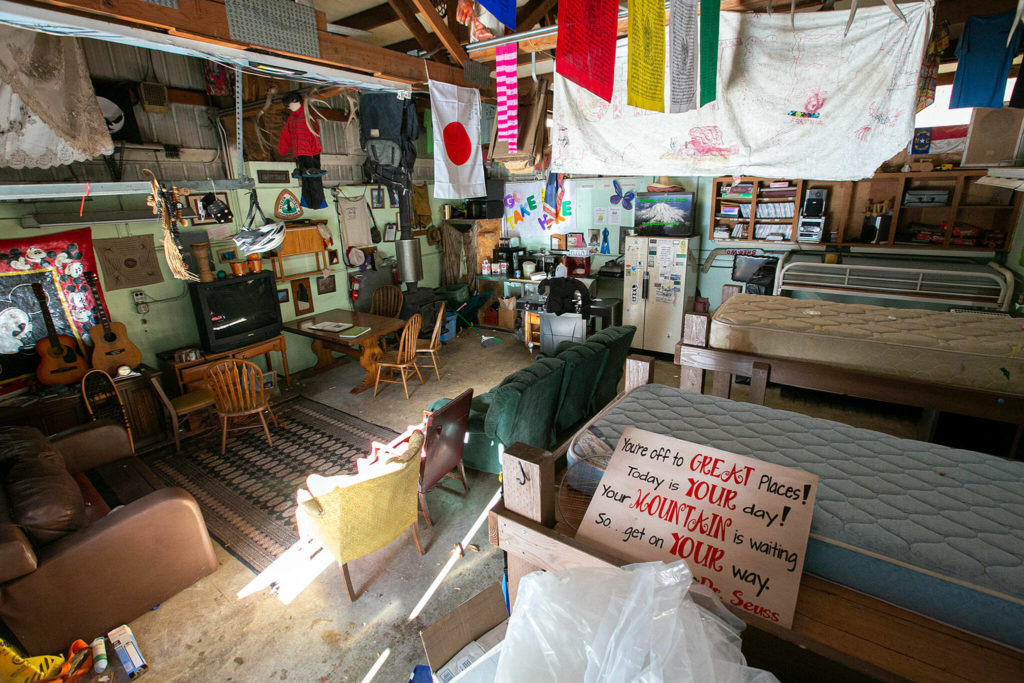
x,y
458,161
508,95
585,53
710,18
645,81
503,10
682,55
803,103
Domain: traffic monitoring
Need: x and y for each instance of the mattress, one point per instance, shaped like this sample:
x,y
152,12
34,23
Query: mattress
x,y
935,530
969,350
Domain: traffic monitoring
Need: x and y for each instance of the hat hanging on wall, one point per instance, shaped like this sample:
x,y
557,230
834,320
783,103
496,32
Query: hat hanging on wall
x,y
216,208
355,256
287,206
433,235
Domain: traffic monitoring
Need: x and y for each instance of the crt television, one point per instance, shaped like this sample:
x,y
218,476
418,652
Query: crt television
x,y
236,311
664,213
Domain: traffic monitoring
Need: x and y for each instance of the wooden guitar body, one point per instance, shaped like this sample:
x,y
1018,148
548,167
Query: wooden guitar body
x,y
61,363
112,348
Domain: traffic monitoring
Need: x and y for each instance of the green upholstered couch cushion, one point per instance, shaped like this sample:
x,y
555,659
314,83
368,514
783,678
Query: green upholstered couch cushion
x,y
584,365
525,404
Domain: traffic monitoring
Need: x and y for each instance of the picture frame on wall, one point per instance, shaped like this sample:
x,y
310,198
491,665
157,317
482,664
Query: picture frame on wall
x,y
377,198
195,203
302,296
227,255
333,258
390,232
326,284
282,296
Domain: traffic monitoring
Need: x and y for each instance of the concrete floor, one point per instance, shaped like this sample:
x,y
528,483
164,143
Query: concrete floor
x,y
209,633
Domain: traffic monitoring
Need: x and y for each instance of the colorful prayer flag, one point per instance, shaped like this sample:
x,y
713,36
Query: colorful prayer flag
x,y
682,57
710,11
586,44
645,75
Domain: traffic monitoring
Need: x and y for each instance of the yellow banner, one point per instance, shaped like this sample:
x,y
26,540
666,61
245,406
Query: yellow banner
x,y
645,80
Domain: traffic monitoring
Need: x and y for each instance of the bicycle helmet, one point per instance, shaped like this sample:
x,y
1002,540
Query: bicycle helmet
x,y
259,240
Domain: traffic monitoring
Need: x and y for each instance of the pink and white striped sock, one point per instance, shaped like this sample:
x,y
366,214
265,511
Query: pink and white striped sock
x,y
508,95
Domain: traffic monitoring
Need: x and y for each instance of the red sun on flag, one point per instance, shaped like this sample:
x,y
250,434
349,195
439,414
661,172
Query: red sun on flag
x,y
457,143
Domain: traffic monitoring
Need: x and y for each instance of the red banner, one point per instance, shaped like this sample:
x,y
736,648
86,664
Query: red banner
x,y
586,44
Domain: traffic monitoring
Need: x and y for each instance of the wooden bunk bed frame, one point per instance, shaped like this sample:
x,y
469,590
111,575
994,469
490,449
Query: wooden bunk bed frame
x,y
854,630
694,358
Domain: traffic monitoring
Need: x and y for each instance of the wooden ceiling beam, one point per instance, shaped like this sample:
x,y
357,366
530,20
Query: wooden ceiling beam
x,y
405,45
206,21
407,13
442,31
530,14
369,19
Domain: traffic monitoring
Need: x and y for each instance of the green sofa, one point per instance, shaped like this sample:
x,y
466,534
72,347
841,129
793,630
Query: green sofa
x,y
548,399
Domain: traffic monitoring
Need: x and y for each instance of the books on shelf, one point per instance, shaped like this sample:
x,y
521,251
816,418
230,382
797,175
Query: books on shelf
x,y
772,231
354,332
729,210
738,190
775,210
330,327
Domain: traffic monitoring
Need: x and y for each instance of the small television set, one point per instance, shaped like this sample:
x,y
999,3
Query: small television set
x,y
236,311
668,214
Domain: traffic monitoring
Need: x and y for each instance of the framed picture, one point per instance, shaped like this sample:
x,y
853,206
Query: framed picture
x,y
390,232
226,255
282,296
325,284
302,296
574,240
333,258
270,380
194,202
377,198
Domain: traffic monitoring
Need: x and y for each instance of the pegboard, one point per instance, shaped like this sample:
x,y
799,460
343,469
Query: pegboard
x,y
280,24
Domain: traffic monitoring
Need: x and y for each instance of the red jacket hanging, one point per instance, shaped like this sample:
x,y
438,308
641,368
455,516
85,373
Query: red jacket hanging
x,y
298,135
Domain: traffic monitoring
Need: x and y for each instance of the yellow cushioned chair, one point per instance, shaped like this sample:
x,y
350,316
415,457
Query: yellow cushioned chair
x,y
354,515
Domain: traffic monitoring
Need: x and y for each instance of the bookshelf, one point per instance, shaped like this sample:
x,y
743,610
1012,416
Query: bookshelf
x,y
958,212
756,209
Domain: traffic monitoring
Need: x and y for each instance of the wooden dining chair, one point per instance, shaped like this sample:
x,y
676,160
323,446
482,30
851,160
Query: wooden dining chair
x,y
403,360
182,407
387,301
237,387
434,345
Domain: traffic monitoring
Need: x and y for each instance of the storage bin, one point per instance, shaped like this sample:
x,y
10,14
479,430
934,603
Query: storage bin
x,y
448,332
453,294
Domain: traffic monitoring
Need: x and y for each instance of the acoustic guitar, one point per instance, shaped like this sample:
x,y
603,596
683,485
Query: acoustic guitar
x,y
60,361
113,348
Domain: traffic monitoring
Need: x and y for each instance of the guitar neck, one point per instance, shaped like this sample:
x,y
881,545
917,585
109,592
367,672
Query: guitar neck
x,y
102,314
51,329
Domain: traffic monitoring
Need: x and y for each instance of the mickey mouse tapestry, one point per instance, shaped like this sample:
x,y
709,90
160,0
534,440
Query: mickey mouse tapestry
x,y
59,262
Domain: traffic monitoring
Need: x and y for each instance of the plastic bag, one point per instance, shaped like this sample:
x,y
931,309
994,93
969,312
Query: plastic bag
x,y
644,622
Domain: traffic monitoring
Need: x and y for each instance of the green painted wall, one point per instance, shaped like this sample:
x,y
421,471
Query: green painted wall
x,y
170,323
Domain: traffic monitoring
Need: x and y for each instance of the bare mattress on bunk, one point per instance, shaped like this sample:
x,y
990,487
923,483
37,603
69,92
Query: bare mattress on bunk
x,y
935,530
968,350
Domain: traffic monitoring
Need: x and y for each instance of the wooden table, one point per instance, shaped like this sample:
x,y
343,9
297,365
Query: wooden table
x,y
191,375
324,343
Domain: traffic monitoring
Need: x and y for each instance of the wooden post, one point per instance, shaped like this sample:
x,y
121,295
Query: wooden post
x,y
729,291
528,483
759,382
696,327
639,371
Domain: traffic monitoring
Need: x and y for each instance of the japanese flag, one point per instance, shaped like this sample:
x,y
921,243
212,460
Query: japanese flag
x,y
458,161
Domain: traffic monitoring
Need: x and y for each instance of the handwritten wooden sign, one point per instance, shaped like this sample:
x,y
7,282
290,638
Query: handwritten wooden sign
x,y
741,524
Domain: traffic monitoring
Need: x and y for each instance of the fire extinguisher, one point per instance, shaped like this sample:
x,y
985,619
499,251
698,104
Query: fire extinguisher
x,y
354,282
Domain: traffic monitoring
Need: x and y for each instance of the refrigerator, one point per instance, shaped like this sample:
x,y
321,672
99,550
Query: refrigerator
x,y
659,285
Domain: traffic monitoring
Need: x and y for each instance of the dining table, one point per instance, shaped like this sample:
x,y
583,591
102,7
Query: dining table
x,y
366,347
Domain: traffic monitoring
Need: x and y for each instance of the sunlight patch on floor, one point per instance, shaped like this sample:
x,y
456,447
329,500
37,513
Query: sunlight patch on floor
x,y
291,573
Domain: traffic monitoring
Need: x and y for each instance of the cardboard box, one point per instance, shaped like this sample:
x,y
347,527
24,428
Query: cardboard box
x,y
122,640
474,620
506,319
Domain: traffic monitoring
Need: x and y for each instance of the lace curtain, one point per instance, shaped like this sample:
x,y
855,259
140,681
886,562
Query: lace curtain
x,y
48,110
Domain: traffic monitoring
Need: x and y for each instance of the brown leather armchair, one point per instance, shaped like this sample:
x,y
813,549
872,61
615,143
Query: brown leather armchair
x,y
62,577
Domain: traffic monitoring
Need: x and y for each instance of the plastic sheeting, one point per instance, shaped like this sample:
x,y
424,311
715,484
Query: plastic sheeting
x,y
644,622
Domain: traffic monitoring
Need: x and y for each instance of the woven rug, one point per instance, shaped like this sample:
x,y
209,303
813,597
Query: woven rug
x,y
247,495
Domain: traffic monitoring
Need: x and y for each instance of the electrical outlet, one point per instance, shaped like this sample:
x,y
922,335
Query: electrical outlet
x,y
142,308
138,296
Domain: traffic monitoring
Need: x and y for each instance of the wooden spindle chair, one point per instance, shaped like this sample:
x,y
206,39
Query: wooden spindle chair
x,y
237,387
435,342
387,301
404,360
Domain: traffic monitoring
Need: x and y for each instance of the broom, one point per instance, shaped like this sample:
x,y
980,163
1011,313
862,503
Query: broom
x,y
485,341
